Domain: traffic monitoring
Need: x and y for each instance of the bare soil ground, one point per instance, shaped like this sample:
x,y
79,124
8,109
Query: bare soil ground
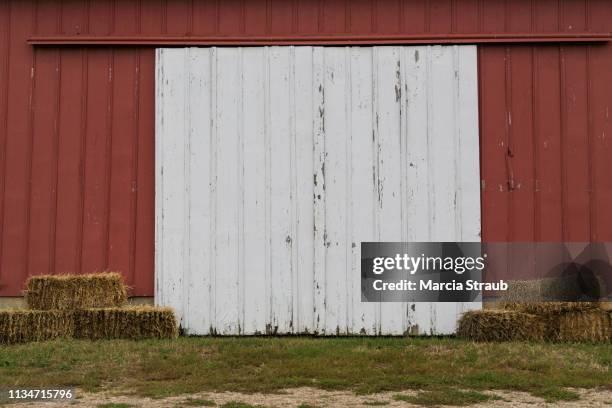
x,y
312,397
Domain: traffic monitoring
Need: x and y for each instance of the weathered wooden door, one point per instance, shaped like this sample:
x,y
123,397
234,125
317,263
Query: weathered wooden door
x,y
274,163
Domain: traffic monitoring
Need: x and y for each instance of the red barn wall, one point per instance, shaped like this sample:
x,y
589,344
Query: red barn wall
x,y
77,122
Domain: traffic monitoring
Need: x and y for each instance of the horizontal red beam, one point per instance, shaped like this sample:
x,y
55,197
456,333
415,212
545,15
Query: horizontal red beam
x,y
340,39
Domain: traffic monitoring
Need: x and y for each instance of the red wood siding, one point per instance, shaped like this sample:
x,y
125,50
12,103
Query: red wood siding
x,y
77,125
76,138
545,128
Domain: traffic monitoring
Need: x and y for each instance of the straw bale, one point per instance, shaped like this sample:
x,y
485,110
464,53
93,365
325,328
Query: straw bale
x,y
127,322
500,325
68,292
550,307
565,288
20,326
593,326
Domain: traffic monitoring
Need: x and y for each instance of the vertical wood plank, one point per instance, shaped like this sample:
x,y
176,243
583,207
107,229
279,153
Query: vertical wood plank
x,y
121,189
442,145
170,178
97,133
364,314
319,196
389,178
43,163
254,206
144,263
467,148
443,167
304,90
417,60
281,272
197,275
17,144
336,182
228,191
68,169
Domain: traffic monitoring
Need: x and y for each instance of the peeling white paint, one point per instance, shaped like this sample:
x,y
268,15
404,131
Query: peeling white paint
x,y
274,164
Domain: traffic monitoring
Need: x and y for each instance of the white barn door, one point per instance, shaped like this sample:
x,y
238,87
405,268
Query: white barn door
x,y
274,164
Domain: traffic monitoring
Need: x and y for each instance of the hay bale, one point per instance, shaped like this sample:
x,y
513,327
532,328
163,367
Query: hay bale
x,y
593,326
20,326
500,325
538,308
127,323
566,288
46,292
569,321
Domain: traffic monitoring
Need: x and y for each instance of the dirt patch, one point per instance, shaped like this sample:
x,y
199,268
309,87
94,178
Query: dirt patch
x,y
311,397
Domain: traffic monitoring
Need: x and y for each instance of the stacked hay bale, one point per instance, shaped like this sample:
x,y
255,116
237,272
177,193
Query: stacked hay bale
x,y
541,318
20,326
125,322
570,321
564,288
501,325
549,321
89,306
71,292
593,326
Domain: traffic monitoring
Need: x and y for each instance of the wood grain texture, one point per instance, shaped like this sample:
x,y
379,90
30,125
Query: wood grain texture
x,y
275,163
